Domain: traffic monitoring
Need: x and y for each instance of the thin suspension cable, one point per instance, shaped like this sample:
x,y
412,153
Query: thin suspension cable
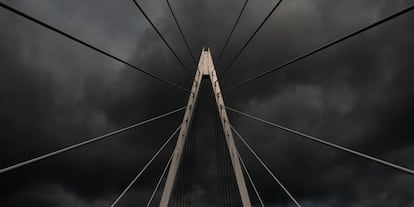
x,y
251,180
192,141
359,154
232,31
159,181
220,167
163,39
146,166
310,53
42,157
41,23
265,166
182,33
250,38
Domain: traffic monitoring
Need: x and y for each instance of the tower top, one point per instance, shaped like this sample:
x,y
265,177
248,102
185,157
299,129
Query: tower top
x,y
205,64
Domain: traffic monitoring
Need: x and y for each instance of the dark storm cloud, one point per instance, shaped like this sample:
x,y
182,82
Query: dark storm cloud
x,y
56,93
348,94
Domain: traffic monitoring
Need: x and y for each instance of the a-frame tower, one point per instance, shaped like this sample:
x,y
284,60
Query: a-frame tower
x,y
205,68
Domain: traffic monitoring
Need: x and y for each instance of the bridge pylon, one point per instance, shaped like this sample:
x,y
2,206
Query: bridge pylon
x,y
205,68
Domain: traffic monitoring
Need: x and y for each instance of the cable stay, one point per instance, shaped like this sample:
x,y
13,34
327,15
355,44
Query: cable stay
x,y
54,29
335,146
265,166
250,38
232,31
181,32
251,180
310,53
145,167
164,40
72,147
159,181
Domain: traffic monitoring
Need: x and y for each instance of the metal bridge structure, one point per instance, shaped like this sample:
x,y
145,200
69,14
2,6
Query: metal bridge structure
x,y
206,71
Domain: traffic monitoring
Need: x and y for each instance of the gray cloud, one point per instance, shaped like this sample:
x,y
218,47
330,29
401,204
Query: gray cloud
x,y
56,93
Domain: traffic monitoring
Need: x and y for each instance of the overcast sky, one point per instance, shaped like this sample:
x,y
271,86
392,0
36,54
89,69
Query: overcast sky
x,y
55,93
